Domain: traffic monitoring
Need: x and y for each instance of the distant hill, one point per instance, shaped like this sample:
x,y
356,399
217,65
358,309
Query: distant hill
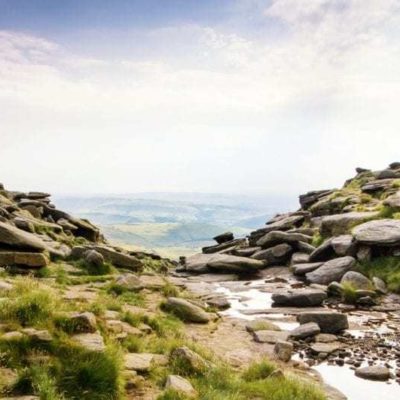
x,y
173,223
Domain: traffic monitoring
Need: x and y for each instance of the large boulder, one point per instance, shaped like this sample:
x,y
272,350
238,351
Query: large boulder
x,y
201,263
328,321
332,270
299,298
381,232
15,238
339,224
23,259
274,255
357,280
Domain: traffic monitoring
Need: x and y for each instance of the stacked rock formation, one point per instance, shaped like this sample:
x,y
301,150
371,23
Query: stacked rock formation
x,y
33,231
323,241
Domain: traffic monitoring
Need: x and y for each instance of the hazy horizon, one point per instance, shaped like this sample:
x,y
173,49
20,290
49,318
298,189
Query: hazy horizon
x,y
272,97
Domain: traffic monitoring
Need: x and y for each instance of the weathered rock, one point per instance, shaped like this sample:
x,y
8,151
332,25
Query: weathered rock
x,y
38,335
15,238
373,373
12,336
277,237
119,259
393,201
224,237
299,298
305,247
5,286
90,341
364,253
270,336
224,246
299,258
201,263
335,289
129,282
357,280
193,361
339,224
181,385
94,258
302,269
23,259
324,252
394,165
379,285
246,252
305,331
325,338
377,185
308,199
325,348
381,232
283,350
82,322
66,225
331,270
343,245
329,322
274,255
140,362
187,311
386,174
24,224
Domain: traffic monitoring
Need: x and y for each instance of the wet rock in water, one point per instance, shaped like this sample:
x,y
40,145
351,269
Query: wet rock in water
x,y
343,245
357,280
274,255
283,350
279,237
270,336
181,385
332,270
299,298
326,348
305,268
187,311
261,325
339,224
381,232
305,331
325,338
193,361
379,285
203,263
373,373
224,237
328,321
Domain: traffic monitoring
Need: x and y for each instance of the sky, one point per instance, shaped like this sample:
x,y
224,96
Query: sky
x,y
213,96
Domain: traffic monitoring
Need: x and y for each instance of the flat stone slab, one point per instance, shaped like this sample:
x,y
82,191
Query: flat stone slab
x,y
140,362
325,347
305,330
23,259
19,239
382,232
305,268
90,341
270,337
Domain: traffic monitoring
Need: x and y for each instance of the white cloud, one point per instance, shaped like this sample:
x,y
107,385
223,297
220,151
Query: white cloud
x,y
218,111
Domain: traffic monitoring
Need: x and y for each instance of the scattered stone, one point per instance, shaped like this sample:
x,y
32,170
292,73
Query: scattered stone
x,y
82,322
326,348
283,350
129,282
329,322
373,373
90,341
181,385
304,331
140,362
299,298
94,258
192,360
270,336
325,338
187,311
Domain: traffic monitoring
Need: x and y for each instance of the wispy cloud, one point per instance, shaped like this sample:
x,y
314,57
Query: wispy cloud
x,y
209,100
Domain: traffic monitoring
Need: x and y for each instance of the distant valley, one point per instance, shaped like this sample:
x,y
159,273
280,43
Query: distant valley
x,y
173,224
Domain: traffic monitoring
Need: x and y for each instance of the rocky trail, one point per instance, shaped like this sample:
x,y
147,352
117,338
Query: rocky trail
x,y
307,307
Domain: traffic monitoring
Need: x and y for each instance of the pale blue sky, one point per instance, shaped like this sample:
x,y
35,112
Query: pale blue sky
x,y
244,96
